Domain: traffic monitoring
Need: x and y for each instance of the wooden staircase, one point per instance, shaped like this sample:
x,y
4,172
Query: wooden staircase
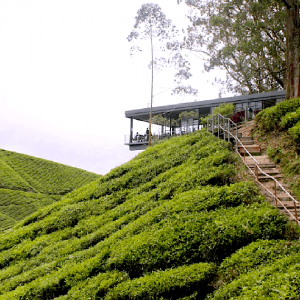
x,y
283,201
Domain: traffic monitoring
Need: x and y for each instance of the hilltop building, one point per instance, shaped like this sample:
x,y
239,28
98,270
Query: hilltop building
x,y
170,113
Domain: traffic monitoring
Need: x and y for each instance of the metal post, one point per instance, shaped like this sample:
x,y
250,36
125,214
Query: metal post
x,y
224,129
228,130
296,215
236,138
218,126
256,172
212,125
131,130
275,193
198,118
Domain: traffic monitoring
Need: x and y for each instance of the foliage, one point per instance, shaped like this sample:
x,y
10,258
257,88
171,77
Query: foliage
x,y
28,184
270,118
187,115
159,224
278,280
159,120
255,255
245,38
169,284
46,176
278,128
151,24
290,119
223,109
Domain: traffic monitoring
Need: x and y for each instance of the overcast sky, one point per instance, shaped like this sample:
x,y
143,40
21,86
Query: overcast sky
x,y
66,79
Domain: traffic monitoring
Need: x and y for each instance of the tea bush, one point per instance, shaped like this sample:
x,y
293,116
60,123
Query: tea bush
x,y
168,284
160,223
270,118
279,280
290,119
252,257
28,184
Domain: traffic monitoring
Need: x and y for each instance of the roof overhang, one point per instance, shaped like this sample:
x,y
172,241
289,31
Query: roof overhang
x,y
204,106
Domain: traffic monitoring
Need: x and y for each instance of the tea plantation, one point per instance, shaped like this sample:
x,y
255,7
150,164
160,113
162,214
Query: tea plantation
x,y
28,183
170,224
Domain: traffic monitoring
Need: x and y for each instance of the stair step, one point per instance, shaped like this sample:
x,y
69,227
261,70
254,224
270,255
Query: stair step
x,y
248,142
246,138
269,171
250,148
262,166
265,178
285,198
289,207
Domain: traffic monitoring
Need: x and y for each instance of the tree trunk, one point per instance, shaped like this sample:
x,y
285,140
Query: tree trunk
x,y
292,84
150,117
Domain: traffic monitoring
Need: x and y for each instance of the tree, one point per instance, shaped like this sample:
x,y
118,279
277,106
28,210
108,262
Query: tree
x,y
244,37
151,24
292,47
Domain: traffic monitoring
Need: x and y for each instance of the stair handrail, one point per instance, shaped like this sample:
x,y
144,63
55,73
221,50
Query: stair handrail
x,y
215,122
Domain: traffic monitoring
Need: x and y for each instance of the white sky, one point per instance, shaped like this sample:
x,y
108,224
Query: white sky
x,y
66,79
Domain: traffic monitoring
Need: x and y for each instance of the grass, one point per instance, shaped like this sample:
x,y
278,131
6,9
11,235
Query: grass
x,y
157,227
28,183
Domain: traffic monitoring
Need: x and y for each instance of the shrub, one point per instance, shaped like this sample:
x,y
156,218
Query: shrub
x,y
223,109
277,280
255,255
295,132
290,119
270,118
169,284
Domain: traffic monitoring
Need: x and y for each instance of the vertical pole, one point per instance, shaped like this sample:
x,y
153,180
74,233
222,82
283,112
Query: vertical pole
x,y
228,130
224,137
296,215
150,116
212,125
218,126
236,138
131,130
170,125
256,172
198,118
275,193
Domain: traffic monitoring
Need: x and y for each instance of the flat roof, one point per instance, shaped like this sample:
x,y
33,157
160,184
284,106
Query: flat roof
x,y
174,109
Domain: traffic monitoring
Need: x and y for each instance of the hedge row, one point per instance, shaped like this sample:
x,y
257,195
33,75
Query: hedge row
x,y
46,176
279,280
270,118
169,284
176,215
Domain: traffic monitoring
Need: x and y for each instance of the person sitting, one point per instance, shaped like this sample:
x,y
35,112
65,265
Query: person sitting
x,y
137,137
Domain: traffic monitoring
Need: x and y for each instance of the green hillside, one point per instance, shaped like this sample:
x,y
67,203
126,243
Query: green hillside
x,y
28,183
278,131
162,226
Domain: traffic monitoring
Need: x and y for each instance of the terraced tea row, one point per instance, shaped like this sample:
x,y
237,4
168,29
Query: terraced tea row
x,y
157,227
28,184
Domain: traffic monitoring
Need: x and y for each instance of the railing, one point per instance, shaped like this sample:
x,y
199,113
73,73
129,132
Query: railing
x,y
221,125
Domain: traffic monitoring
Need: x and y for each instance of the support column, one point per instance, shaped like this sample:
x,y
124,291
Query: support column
x,y
131,130
198,118
170,126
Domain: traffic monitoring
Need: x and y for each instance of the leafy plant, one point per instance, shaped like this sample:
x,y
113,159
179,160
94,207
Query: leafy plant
x,y
223,109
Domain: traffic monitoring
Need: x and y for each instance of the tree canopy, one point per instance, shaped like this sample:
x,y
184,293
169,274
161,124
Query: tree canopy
x,y
257,42
245,38
151,24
